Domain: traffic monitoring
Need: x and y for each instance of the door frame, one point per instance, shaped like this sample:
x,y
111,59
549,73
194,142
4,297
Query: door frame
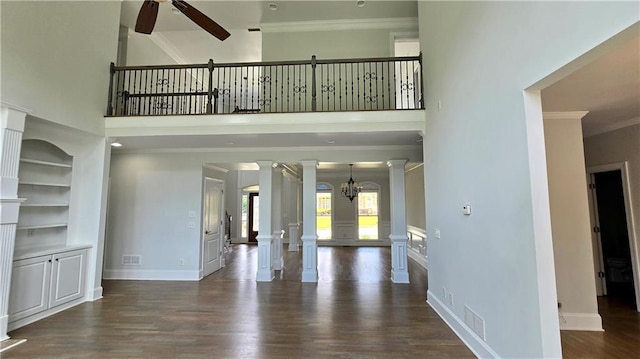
x,y
203,260
250,211
597,255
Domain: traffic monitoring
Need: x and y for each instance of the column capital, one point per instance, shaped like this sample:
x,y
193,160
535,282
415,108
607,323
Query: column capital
x,y
393,163
309,163
267,164
12,119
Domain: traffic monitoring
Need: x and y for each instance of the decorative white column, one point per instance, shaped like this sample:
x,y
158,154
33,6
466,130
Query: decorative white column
x,y
276,220
398,236
309,234
11,129
265,239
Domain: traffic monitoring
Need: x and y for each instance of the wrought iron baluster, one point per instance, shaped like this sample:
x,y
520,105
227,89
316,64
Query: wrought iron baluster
x,y
253,77
340,86
288,90
406,71
375,64
274,88
415,85
333,83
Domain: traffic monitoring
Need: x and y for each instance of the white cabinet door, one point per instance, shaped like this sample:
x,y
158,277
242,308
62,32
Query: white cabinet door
x,y
67,277
30,280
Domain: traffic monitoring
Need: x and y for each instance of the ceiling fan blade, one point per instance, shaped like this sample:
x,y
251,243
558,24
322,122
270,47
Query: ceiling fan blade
x,y
201,19
147,17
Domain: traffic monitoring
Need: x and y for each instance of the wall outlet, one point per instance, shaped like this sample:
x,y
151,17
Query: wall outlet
x,y
191,224
436,233
181,261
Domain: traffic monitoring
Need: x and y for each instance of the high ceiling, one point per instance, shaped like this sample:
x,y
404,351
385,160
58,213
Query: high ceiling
x,y
240,14
609,88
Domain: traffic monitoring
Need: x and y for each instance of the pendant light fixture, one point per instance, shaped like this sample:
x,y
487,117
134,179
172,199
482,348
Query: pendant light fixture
x,y
351,188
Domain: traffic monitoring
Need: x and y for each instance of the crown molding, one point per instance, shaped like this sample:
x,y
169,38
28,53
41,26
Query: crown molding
x,y
564,115
410,23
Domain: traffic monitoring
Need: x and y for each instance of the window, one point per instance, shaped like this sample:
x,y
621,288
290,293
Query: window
x,y
245,215
324,196
368,212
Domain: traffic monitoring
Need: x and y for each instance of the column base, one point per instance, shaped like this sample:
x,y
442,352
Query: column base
x,y
277,260
309,258
265,268
399,258
399,277
265,276
310,276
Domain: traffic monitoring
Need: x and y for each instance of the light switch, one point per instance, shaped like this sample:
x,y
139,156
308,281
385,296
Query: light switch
x,y
191,214
436,233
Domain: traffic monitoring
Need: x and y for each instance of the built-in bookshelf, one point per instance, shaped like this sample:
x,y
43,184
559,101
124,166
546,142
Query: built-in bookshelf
x,y
45,183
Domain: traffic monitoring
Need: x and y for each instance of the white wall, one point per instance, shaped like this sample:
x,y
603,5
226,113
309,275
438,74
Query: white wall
x,y
570,223
414,180
480,57
55,59
619,146
150,198
141,50
338,44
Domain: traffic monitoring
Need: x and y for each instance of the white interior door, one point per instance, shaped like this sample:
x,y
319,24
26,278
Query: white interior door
x,y
212,225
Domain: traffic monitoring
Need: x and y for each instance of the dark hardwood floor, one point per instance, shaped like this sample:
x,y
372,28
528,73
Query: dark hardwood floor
x,y
354,311
620,339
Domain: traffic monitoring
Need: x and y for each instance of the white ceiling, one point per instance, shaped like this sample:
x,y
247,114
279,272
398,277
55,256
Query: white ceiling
x,y
244,14
609,88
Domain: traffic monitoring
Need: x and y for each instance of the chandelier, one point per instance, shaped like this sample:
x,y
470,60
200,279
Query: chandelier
x,y
350,189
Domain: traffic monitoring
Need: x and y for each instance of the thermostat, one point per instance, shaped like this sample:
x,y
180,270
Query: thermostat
x,y
466,209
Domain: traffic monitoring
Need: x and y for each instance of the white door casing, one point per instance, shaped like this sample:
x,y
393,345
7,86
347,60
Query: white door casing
x,y
212,225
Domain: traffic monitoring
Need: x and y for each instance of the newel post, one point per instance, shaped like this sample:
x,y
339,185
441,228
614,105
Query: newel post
x,y
112,72
210,90
313,83
421,81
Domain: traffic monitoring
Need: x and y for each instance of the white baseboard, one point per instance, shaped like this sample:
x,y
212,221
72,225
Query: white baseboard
x,y
18,342
418,258
4,321
49,312
142,274
95,294
478,346
581,321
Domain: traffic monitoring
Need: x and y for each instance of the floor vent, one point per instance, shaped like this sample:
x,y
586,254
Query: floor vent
x,y
474,321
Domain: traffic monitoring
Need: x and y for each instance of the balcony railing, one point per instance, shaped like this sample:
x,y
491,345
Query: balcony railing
x,y
393,83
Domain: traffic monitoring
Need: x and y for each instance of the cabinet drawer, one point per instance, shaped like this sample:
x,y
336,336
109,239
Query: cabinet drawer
x,y
30,280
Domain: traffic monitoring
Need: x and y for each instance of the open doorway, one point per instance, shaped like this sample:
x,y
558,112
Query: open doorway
x,y
254,201
610,207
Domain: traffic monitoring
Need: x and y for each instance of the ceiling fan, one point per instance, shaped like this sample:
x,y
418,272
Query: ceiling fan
x,y
149,13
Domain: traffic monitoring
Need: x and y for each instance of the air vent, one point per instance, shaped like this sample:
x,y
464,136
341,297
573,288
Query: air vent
x,y
474,321
131,259
254,29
